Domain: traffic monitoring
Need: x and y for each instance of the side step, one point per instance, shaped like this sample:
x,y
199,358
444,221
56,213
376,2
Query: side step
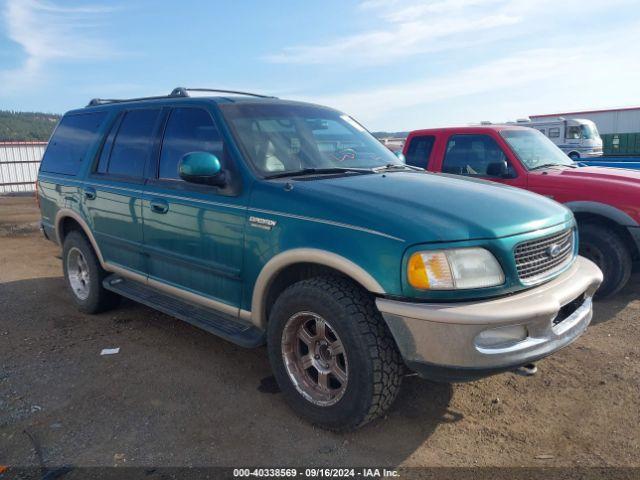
x,y
236,331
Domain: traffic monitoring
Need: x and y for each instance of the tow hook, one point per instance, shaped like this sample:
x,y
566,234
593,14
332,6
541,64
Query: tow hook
x,y
527,370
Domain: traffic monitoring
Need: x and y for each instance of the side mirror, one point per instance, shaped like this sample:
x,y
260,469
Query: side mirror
x,y
400,156
202,167
500,170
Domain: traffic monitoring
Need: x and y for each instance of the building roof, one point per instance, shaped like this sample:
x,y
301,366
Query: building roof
x,y
583,112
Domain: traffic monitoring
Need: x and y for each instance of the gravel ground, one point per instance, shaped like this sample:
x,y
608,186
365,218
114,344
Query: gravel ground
x,y
175,395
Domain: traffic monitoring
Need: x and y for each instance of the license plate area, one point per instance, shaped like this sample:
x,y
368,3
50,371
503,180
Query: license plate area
x,y
568,310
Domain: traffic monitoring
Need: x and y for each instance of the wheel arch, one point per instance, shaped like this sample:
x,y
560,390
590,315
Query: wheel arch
x,y
291,266
67,220
600,213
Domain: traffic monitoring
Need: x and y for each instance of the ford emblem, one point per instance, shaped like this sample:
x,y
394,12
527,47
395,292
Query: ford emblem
x,y
554,250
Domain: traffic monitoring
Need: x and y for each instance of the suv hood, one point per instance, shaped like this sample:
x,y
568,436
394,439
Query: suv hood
x,y
421,207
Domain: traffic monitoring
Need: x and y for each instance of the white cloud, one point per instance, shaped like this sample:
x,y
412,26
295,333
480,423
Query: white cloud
x,y
407,28
523,82
48,32
521,68
415,27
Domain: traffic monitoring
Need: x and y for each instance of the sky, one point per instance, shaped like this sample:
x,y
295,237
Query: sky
x,y
392,64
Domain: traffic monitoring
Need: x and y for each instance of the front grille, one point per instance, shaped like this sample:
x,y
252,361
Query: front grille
x,y
541,258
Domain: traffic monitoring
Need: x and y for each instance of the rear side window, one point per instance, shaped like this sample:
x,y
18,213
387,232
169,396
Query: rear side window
x,y
419,151
188,130
73,138
133,143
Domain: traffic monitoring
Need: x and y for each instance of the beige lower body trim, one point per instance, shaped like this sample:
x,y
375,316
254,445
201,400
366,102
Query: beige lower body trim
x,y
137,277
68,213
180,293
304,255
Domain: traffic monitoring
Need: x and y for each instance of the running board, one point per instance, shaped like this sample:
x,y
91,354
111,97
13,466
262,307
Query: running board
x,y
225,326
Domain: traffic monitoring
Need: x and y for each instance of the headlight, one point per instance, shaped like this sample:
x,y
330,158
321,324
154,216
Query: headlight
x,y
454,269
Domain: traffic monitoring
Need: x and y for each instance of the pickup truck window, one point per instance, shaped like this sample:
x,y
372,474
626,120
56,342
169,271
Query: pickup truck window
x,y
188,130
419,150
534,149
474,155
291,138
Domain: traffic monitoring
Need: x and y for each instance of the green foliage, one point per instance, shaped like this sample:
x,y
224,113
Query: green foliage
x,y
26,126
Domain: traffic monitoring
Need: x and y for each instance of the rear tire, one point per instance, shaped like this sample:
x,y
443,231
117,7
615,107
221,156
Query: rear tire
x,y
358,343
574,156
84,275
606,249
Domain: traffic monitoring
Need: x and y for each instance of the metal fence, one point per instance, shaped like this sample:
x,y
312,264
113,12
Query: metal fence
x,y
19,163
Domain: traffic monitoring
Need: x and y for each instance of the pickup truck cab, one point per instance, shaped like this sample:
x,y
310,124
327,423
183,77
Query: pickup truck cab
x,y
274,222
605,201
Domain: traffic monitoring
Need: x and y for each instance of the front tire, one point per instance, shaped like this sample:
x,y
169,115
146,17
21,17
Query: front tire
x,y
605,248
332,354
84,275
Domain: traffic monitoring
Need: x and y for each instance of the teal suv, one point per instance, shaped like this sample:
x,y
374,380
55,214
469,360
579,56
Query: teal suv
x,y
274,222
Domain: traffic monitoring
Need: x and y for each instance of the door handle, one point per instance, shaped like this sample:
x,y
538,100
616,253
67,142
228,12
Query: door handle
x,y
159,206
89,193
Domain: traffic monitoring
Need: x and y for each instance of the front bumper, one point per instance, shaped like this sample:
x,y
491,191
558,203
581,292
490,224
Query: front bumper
x,y
590,154
440,340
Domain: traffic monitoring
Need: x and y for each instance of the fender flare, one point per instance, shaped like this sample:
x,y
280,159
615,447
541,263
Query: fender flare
x,y
68,213
304,255
604,210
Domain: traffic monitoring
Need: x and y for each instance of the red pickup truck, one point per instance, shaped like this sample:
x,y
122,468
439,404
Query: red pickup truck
x,y
605,201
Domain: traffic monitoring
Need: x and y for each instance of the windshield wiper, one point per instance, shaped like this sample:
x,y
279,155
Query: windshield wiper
x,y
318,171
397,166
547,165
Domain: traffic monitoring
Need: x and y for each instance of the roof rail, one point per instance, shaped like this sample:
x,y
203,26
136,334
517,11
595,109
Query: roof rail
x,y
184,92
176,92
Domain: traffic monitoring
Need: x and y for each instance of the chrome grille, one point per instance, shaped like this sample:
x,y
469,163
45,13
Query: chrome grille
x,y
541,258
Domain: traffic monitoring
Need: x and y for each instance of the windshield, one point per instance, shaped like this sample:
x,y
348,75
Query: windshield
x,y
281,138
589,132
534,149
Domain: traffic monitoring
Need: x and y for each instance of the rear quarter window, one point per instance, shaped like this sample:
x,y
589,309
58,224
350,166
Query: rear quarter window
x,y
71,141
419,150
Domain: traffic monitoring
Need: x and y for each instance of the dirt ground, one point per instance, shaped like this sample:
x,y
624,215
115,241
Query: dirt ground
x,y
175,395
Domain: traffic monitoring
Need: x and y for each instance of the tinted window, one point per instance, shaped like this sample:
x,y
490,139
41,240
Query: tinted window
x,y
133,143
554,132
71,141
419,151
103,162
474,155
188,130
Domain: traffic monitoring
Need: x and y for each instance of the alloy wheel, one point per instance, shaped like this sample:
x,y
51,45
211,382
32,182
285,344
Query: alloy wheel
x,y
315,358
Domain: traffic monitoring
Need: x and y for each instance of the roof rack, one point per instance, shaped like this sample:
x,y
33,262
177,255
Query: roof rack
x,y
184,92
176,92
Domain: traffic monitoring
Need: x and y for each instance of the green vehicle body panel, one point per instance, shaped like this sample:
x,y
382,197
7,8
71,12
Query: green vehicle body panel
x,y
216,244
